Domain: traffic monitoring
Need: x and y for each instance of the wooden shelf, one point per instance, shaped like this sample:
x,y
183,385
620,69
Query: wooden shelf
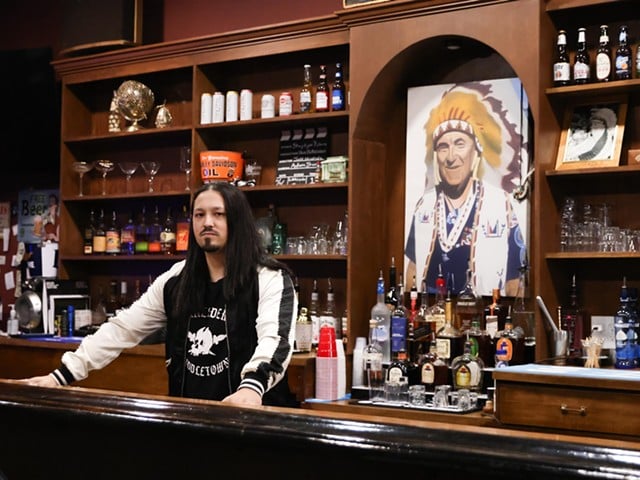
x,y
619,170
592,255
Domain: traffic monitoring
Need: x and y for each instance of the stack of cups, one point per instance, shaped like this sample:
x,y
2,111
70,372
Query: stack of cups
x,y
327,365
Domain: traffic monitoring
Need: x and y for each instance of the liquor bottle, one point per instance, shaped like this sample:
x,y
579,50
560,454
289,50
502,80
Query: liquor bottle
x,y
433,370
381,314
304,331
279,238
523,318
338,90
124,296
113,304
112,236
265,225
414,351
482,345
575,321
100,236
168,235
413,301
128,237
328,315
89,232
581,64
398,329
509,346
155,229
422,325
372,359
561,66
391,296
494,314
449,339
436,312
142,233
397,368
305,92
467,370
183,225
314,312
625,335
468,307
623,55
322,92
603,57
638,62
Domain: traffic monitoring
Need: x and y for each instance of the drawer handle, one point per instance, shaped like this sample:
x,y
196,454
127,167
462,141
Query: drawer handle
x,y
582,411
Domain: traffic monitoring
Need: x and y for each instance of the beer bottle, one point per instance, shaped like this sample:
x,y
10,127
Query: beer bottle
x,y
322,91
561,66
581,66
603,57
305,92
623,55
338,90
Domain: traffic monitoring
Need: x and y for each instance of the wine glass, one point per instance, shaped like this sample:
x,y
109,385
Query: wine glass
x,y
104,167
81,168
185,165
150,167
128,168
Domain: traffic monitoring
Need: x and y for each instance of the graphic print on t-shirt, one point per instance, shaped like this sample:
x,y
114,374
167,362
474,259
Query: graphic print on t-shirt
x,y
207,355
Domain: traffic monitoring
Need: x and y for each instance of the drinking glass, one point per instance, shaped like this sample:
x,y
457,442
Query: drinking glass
x,y
81,168
185,165
150,167
128,168
104,167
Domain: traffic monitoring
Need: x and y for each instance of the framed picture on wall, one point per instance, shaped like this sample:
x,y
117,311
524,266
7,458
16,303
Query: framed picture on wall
x,y
467,154
592,134
357,3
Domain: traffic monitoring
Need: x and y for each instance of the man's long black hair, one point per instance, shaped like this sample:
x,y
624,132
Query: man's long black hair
x,y
243,254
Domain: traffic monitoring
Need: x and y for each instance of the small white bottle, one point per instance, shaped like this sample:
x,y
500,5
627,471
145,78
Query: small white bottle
x,y
12,322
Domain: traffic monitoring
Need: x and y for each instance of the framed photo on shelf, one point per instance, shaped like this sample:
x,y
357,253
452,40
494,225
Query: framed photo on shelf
x,y
592,134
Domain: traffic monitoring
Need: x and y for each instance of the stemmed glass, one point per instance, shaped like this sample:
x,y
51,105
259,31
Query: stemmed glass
x,y
128,168
104,167
185,165
81,168
150,167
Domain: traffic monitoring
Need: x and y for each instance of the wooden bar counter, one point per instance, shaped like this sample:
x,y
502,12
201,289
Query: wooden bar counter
x,y
78,433
139,370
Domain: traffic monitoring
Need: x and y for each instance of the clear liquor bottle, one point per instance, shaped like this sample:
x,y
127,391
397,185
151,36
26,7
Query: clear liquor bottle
x,y
467,370
372,358
328,315
381,314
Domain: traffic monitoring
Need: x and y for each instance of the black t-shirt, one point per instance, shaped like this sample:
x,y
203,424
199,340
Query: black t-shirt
x,y
206,372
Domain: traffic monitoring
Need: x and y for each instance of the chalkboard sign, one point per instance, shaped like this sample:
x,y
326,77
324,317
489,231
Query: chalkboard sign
x,y
301,151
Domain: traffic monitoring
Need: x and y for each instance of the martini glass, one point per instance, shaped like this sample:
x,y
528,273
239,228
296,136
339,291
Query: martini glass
x,y
128,168
104,167
81,168
150,167
185,165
